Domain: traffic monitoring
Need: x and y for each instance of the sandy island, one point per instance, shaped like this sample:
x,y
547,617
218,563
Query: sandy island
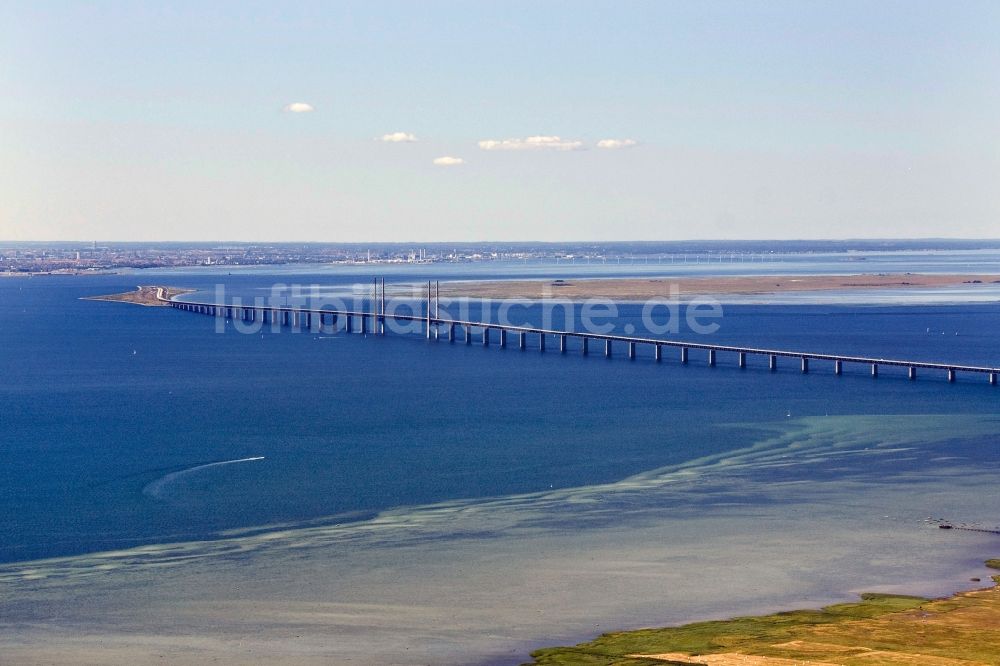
x,y
644,288
151,296
963,630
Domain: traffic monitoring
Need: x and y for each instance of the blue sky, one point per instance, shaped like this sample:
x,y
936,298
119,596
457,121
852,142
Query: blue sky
x,y
148,121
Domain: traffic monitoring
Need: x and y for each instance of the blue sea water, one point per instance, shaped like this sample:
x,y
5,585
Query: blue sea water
x,y
115,417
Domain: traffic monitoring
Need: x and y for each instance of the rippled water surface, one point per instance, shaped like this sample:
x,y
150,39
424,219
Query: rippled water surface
x,y
541,493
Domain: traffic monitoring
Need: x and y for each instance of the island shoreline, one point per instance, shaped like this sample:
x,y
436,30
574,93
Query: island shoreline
x,y
640,289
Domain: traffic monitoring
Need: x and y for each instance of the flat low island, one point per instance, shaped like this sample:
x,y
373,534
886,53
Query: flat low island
x,y
152,296
635,289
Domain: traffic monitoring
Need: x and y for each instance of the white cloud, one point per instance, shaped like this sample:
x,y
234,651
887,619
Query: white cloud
x,y
612,144
298,107
447,160
398,137
531,143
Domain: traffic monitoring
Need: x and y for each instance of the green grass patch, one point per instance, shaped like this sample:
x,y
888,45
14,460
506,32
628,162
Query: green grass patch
x,y
735,635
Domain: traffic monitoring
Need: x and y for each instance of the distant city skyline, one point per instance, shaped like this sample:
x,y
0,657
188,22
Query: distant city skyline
x,y
447,121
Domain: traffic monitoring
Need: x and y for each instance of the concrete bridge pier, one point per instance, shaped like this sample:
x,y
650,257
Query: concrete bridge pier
x,y
503,338
348,323
486,337
993,379
522,340
911,373
364,326
381,310
742,360
585,348
562,344
541,342
838,367
451,332
468,334
607,348
711,358
658,353
631,351
805,365
951,374
772,363
684,354
874,369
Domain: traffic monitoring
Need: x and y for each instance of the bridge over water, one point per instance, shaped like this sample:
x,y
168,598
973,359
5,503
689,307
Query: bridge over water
x,y
487,333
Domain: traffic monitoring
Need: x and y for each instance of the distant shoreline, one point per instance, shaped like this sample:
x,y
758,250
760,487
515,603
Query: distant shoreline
x,y
56,273
662,287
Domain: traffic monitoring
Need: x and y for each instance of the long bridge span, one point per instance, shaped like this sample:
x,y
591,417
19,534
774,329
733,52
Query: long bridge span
x,y
435,327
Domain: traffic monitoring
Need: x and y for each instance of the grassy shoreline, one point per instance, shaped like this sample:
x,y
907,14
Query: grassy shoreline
x,y
878,629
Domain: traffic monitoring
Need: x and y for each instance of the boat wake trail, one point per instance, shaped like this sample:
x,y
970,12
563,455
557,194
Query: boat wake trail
x,y
155,488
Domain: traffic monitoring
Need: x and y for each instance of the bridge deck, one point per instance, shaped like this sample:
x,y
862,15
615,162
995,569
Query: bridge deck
x,y
754,351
